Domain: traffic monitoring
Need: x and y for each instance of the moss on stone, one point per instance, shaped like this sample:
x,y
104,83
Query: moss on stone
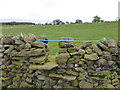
x,y
70,72
16,58
47,66
92,56
62,58
67,77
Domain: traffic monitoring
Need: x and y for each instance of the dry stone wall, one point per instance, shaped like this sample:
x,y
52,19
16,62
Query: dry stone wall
x,y
26,63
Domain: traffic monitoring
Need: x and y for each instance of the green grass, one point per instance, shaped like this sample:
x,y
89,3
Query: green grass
x,y
94,31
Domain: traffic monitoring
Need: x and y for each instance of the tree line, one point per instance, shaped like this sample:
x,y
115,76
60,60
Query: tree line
x,y
96,19
17,23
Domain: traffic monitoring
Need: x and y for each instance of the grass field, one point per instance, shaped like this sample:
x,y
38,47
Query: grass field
x,y
88,31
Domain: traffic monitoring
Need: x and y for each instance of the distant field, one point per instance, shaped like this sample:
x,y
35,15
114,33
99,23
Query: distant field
x,y
94,31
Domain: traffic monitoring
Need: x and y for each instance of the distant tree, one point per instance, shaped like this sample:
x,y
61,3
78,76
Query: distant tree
x,y
46,23
72,23
57,22
96,19
67,22
17,23
78,21
101,20
62,23
50,23
13,23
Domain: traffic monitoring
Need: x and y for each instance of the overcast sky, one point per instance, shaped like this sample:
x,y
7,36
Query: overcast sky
x,y
66,10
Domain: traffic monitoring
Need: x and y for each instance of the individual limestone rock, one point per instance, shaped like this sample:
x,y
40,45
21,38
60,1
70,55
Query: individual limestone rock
x,y
110,63
27,46
55,75
26,85
84,84
82,75
47,66
70,72
105,72
41,77
18,37
28,79
38,44
59,71
93,79
92,56
71,50
74,53
96,49
104,47
90,64
7,40
118,86
62,50
2,50
109,86
16,58
38,72
20,47
6,83
62,58
29,38
80,63
16,79
36,52
106,53
84,66
39,60
115,82
19,54
102,62
1,55
114,51
19,42
114,58
65,45
55,86
88,50
67,77
8,51
79,69
107,57
60,82
75,83
17,63
81,51
6,46
112,43
104,41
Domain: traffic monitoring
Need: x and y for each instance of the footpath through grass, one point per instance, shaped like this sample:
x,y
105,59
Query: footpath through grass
x,y
88,31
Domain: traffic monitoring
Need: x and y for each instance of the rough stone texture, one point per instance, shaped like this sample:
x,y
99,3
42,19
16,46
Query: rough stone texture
x,y
62,58
92,56
84,84
29,38
112,43
26,63
96,49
